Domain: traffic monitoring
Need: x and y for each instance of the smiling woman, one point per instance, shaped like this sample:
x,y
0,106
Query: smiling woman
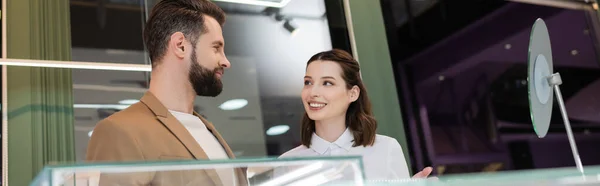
x,y
339,120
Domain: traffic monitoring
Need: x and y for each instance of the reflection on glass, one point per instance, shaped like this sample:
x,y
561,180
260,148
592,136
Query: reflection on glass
x,y
1,128
107,31
1,72
98,94
554,176
264,172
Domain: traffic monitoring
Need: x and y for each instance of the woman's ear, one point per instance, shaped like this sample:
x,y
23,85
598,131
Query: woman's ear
x,y
354,93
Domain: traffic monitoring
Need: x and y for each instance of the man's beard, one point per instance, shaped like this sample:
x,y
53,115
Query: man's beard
x,y
203,80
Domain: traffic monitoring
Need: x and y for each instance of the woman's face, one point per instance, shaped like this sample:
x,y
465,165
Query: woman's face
x,y
325,95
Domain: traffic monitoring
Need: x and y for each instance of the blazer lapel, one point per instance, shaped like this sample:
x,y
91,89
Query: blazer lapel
x,y
183,135
180,132
241,172
222,141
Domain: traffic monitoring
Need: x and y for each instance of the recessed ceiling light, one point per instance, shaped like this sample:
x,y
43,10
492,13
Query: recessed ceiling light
x,y
234,104
574,52
278,130
129,101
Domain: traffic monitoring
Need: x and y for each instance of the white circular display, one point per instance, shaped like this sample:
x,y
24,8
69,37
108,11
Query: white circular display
x,y
539,68
541,74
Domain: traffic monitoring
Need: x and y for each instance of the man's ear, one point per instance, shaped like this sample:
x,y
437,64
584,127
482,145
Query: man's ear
x,y
177,45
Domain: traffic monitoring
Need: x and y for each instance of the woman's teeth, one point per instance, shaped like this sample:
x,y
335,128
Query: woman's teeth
x,y
317,105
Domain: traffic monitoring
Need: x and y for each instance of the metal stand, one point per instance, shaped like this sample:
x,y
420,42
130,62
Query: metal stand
x,y
555,81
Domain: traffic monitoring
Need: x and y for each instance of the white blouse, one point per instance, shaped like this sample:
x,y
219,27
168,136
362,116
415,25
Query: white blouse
x,y
382,161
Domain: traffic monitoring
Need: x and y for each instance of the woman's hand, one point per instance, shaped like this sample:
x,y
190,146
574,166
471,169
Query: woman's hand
x,y
424,173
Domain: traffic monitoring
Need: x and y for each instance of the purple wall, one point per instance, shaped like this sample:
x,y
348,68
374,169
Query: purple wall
x,y
567,30
492,45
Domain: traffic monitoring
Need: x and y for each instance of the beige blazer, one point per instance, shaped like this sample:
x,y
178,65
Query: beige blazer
x,y
146,131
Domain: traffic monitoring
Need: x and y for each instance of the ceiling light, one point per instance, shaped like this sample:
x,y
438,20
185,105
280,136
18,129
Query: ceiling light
x,y
76,65
234,104
266,3
129,101
90,133
290,27
101,106
278,130
574,52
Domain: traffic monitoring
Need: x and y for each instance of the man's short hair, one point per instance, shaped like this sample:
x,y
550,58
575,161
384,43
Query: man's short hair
x,y
170,16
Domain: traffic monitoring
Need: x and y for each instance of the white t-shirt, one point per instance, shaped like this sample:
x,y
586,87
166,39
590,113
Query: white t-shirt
x,y
209,143
382,161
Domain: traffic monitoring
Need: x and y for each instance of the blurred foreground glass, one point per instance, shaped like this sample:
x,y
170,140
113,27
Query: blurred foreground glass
x,y
296,171
538,177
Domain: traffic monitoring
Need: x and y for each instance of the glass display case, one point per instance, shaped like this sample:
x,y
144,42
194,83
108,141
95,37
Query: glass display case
x,y
288,171
239,172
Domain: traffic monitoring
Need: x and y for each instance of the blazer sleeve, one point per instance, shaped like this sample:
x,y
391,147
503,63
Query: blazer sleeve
x,y
112,143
